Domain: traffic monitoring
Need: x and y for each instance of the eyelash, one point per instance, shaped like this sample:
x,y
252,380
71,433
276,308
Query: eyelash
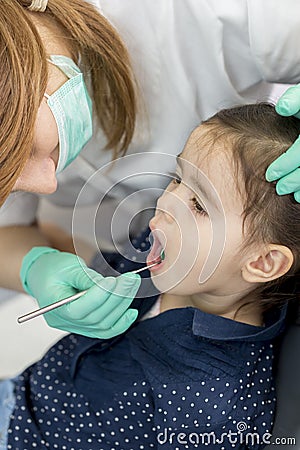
x,y
195,204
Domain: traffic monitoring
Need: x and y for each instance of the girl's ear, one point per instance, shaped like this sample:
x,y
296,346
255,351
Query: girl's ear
x,y
271,263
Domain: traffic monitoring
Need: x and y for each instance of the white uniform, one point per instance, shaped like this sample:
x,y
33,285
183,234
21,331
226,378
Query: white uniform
x,y
191,58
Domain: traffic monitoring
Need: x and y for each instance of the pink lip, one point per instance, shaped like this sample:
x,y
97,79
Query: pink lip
x,y
155,251
157,267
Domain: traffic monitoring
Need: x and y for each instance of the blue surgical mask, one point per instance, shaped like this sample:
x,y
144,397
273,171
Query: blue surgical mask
x,y
71,107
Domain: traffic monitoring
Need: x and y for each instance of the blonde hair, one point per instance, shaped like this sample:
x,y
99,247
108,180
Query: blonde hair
x,y
105,62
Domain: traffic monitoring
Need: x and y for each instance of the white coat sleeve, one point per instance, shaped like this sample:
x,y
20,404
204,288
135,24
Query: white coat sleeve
x,y
20,208
274,34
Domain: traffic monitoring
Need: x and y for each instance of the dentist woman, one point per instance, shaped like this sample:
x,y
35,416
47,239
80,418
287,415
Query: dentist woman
x,y
147,71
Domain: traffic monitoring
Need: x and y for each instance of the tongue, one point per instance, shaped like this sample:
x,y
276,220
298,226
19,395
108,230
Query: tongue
x,y
155,253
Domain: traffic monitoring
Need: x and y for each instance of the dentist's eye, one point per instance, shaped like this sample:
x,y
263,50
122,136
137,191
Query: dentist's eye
x,y
197,207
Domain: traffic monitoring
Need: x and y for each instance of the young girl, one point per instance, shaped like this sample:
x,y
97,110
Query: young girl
x,y
197,370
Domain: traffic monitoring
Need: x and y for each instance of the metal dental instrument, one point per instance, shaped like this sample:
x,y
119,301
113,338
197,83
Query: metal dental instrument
x,y
64,301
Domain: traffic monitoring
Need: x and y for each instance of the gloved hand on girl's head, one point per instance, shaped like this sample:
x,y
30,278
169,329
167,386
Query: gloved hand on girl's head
x,y
286,168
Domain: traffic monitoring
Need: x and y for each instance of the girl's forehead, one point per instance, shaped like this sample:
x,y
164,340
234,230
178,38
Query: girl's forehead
x,y
204,151
208,161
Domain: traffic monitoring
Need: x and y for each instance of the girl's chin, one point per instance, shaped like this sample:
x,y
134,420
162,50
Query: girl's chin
x,y
162,281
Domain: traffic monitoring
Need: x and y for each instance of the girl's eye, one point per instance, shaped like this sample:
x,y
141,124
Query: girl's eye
x,y
197,207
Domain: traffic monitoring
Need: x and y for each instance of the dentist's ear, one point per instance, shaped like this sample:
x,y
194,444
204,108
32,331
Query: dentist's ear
x,y
271,263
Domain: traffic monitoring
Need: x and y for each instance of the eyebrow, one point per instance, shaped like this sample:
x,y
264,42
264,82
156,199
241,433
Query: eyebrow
x,y
200,187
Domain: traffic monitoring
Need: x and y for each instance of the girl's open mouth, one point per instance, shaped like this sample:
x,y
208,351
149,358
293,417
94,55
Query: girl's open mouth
x,y
157,254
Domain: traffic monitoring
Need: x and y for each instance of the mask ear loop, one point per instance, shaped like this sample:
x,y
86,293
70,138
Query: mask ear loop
x,y
68,73
57,66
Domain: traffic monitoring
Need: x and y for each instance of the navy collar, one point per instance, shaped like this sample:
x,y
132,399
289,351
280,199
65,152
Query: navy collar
x,y
220,328
177,323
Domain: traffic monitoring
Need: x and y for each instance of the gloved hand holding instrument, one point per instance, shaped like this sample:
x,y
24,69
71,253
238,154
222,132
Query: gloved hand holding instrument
x,y
101,312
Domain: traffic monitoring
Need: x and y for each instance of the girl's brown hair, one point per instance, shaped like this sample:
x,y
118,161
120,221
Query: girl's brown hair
x,y
257,135
105,62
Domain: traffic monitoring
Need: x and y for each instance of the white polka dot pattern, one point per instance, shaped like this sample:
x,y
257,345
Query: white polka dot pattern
x,y
51,413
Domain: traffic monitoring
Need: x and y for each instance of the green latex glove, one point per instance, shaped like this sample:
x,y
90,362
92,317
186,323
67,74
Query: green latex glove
x,y
286,167
50,275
